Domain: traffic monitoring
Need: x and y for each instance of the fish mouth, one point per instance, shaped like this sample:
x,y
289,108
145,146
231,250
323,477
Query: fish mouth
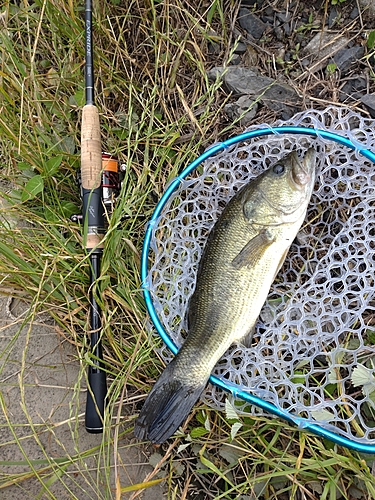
x,y
303,169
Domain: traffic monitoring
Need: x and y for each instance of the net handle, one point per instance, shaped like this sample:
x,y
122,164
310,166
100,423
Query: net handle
x,y
233,389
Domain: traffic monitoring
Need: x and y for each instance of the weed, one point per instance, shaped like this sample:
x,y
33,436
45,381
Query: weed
x,y
158,112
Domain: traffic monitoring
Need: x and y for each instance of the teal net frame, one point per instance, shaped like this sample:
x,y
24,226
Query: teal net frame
x,y
233,389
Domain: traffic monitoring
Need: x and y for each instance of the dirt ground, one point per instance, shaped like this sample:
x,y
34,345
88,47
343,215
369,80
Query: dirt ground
x,y
43,414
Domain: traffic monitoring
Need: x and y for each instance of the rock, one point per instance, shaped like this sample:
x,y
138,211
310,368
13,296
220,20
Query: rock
x,y
283,99
354,13
250,3
269,11
369,5
235,60
281,25
243,106
251,23
353,89
241,80
214,48
321,47
359,82
284,17
287,29
268,20
333,15
240,48
369,102
324,43
275,95
7,220
216,73
279,33
344,58
237,79
306,63
213,44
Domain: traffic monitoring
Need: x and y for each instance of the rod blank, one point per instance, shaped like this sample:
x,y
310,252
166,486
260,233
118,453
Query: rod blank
x,y
97,385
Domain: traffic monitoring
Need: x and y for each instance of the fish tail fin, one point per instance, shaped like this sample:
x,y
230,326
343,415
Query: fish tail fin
x,y
167,406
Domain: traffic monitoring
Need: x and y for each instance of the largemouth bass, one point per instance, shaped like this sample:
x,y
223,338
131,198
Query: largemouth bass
x,y
244,251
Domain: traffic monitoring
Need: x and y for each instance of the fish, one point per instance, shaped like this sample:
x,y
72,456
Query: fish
x,y
244,251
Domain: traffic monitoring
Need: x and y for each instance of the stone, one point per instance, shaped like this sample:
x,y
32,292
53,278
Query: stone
x,y
282,98
353,89
277,96
354,13
344,58
324,43
40,368
321,47
368,100
235,60
244,106
241,80
333,15
216,73
284,17
214,48
269,11
213,45
268,20
251,23
369,5
287,29
250,3
279,33
240,48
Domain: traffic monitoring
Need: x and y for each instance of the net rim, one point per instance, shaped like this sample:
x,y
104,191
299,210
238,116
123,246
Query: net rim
x,y
233,389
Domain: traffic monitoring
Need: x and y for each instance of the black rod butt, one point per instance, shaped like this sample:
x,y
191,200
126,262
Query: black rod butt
x,y
95,402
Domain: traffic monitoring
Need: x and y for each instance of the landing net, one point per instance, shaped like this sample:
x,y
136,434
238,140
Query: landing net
x,y
313,353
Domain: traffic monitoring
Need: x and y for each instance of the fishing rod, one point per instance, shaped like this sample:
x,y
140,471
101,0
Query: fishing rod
x,y
93,231
100,185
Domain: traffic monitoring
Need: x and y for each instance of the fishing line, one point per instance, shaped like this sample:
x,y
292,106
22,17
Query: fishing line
x,y
327,430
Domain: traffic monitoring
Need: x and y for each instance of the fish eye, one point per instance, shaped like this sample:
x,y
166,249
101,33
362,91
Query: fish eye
x,y
278,169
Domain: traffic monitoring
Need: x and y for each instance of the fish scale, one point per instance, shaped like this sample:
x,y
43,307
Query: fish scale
x,y
242,256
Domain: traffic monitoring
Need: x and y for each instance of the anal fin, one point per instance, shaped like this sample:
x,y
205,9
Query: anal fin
x,y
247,339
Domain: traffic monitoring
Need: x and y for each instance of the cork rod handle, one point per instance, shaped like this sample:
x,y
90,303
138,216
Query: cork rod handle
x,y
91,151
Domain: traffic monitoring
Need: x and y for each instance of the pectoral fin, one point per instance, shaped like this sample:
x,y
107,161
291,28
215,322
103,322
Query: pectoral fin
x,y
302,238
254,250
247,339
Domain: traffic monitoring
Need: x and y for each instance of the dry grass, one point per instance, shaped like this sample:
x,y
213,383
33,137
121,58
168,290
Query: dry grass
x,y
158,111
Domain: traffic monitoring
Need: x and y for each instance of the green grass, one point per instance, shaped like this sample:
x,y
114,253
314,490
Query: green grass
x,y
158,111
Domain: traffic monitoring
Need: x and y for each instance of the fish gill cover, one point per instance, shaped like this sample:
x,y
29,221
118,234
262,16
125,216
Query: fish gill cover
x,y
313,351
